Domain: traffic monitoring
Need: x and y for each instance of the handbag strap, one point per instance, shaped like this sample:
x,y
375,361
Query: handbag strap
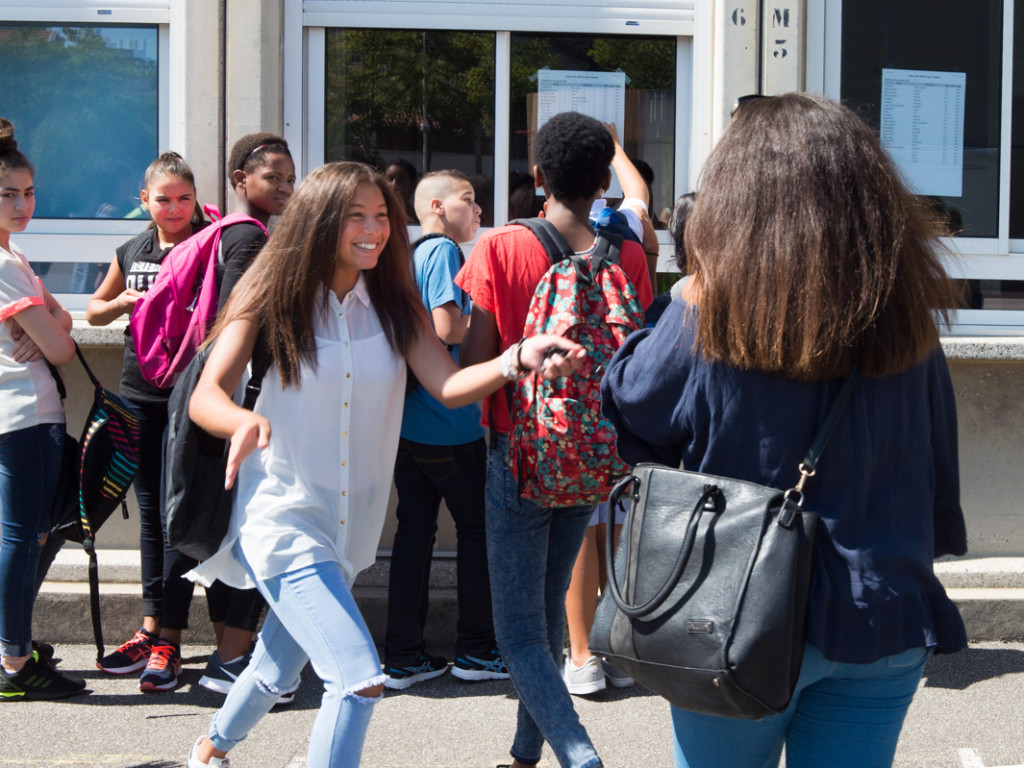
x,y
809,466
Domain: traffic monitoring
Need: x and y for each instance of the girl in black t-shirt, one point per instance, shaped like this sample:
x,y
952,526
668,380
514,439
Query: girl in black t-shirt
x,y
169,193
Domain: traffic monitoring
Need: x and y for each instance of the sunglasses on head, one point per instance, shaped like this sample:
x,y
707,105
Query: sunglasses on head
x,y
746,100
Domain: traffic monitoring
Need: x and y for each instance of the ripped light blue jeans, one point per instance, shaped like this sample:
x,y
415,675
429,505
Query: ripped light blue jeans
x,y
313,617
531,551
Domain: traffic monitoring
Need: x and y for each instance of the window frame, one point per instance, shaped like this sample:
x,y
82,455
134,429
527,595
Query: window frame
x,y
305,62
988,258
95,240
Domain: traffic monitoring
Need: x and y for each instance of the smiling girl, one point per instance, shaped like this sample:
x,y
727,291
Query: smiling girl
x,y
333,295
34,330
169,194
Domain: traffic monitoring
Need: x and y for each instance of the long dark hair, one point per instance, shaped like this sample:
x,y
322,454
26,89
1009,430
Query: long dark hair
x,y
807,250
292,274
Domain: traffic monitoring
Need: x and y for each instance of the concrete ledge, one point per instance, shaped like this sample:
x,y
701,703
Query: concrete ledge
x,y
988,591
983,347
98,336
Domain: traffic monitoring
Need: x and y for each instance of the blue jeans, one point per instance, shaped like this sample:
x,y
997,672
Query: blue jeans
x,y
841,716
531,551
313,617
29,470
424,475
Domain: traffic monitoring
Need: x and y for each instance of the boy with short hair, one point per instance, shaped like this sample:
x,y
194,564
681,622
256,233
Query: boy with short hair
x,y
441,455
531,549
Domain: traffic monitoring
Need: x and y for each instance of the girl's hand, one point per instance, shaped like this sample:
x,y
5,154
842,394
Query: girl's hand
x,y
127,298
551,356
252,434
24,350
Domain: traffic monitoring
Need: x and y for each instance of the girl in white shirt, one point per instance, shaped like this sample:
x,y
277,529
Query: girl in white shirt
x,y
34,329
334,297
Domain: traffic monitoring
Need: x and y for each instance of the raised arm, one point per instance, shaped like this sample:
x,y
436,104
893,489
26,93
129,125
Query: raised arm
x,y
635,197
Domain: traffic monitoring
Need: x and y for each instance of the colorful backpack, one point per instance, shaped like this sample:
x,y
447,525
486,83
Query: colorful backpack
x,y
561,448
96,472
175,315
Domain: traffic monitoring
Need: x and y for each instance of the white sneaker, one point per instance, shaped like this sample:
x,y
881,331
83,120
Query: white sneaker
x,y
616,677
215,762
583,680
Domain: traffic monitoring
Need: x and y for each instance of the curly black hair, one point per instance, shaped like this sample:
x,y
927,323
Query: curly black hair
x,y
573,152
249,151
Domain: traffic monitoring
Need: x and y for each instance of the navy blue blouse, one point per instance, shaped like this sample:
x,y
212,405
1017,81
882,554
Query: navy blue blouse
x,y
887,487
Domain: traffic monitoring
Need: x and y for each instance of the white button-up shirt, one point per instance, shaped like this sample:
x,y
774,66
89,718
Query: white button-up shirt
x,y
319,491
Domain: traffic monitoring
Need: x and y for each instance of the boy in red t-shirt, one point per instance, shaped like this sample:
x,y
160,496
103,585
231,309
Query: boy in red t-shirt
x,y
531,549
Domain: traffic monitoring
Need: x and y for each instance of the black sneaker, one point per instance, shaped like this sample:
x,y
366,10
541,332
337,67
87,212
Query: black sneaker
x,y
480,666
37,681
401,676
45,653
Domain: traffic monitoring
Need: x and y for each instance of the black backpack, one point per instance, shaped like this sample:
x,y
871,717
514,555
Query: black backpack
x,y
196,506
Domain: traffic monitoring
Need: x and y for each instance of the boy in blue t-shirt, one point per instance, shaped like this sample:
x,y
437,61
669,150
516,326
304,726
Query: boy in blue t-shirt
x,y
441,455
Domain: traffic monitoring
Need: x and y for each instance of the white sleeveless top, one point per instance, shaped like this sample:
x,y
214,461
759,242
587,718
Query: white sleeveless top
x,y
319,491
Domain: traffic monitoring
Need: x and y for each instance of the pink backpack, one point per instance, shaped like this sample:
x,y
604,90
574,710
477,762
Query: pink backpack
x,y
174,316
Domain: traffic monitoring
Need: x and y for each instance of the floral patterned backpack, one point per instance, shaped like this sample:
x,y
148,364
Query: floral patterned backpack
x,y
561,448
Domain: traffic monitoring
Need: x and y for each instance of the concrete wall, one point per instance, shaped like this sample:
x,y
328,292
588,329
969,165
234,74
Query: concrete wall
x,y
990,415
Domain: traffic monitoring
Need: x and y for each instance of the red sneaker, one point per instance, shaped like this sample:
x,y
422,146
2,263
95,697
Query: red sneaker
x,y
130,657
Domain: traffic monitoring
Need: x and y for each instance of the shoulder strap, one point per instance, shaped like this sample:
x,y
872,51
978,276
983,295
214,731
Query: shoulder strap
x,y
429,236
607,250
794,497
260,364
549,237
61,389
828,426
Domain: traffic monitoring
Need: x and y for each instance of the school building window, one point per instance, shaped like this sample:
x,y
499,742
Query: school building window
x,y
85,100
466,85
944,86
412,101
628,80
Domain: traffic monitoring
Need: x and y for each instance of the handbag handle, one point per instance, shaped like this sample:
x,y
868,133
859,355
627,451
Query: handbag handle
x,y
704,504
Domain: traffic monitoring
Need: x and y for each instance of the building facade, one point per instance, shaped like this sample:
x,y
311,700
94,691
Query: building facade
x,y
97,89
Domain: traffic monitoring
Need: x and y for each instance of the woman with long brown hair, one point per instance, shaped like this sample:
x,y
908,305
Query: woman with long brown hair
x,y
809,256
333,298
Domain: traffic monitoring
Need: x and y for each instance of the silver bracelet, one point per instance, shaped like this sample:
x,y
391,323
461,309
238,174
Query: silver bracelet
x,y
510,363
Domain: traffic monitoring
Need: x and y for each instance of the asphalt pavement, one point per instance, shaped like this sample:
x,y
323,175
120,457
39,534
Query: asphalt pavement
x,y
968,713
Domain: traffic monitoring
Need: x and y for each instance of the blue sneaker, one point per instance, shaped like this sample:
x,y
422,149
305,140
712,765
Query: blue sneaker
x,y
480,666
219,676
401,676
162,668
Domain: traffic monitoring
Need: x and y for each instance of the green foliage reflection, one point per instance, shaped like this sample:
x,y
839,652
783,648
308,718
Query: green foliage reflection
x,y
84,111
390,91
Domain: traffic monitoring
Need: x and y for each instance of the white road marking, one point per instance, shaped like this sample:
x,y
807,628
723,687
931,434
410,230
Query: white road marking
x,y
969,759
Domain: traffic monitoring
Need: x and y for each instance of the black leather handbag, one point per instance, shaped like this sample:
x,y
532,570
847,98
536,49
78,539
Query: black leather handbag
x,y
707,595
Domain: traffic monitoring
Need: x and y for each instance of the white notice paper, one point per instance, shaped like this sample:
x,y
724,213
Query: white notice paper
x,y
923,128
601,95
